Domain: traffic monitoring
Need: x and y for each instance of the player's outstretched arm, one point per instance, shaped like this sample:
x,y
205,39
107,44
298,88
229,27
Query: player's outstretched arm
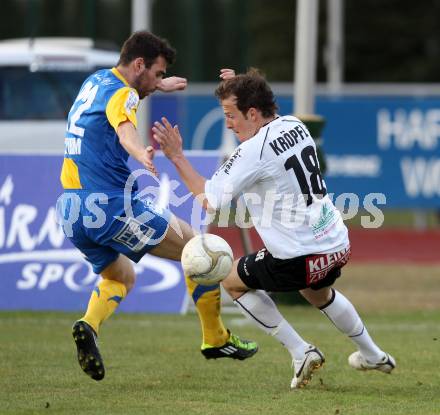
x,y
170,142
130,140
172,83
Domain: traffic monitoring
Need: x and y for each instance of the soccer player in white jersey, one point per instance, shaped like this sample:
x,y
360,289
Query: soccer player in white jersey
x,y
276,170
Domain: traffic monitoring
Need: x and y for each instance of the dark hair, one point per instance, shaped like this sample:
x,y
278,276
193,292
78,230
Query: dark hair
x,y
251,90
145,45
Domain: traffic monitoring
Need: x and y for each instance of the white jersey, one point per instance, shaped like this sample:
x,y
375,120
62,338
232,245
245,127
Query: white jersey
x,y
277,172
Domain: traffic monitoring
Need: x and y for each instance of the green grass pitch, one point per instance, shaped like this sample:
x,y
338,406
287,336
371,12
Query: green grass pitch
x,y
154,367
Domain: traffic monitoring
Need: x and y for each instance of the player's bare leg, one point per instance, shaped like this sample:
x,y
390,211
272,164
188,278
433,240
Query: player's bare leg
x,y
178,234
341,312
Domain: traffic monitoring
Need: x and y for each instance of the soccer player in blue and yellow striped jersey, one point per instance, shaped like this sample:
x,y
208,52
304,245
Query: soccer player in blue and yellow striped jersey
x,y
101,134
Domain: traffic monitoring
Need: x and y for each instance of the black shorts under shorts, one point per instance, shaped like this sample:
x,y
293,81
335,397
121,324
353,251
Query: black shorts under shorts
x,y
261,271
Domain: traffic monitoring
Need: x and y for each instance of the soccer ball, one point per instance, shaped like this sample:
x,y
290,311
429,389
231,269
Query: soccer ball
x,y
207,259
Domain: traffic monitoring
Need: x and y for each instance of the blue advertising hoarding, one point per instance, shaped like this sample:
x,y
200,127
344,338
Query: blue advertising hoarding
x,y
374,144
42,270
389,145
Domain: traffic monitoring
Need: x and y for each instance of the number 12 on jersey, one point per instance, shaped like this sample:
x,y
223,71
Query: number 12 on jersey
x,y
312,184
86,96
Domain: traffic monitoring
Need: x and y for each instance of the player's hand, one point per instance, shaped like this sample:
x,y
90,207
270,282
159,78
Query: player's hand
x,y
226,74
168,137
147,160
172,83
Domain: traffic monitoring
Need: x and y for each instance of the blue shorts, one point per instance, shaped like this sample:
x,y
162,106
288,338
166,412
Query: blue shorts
x,y
103,225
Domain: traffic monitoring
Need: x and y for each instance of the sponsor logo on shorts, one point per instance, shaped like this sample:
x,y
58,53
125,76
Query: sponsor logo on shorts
x,y
245,267
318,266
260,255
134,234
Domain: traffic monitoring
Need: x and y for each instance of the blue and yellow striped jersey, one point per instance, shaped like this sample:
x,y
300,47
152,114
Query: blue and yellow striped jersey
x,y
93,157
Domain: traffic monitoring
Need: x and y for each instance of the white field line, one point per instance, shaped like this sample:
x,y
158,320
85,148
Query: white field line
x,y
149,321
388,327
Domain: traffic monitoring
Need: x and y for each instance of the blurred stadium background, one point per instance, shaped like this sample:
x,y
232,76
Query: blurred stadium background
x,y
378,93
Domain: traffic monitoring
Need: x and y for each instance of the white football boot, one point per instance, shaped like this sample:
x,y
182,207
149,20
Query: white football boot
x,y
385,365
313,359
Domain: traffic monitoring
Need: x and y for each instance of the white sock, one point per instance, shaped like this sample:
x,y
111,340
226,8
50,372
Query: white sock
x,y
343,315
258,307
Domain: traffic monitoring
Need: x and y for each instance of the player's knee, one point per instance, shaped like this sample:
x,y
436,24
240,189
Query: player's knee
x,y
233,289
129,279
121,270
317,298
